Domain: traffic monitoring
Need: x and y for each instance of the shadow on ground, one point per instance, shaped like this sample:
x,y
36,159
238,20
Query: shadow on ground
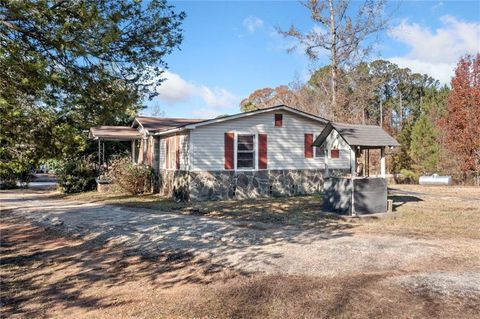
x,y
56,254
400,200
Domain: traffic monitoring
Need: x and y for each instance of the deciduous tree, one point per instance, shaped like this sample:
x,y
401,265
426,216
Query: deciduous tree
x,y
461,121
339,32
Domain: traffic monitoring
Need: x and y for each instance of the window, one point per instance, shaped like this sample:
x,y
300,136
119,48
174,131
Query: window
x,y
278,120
245,151
320,151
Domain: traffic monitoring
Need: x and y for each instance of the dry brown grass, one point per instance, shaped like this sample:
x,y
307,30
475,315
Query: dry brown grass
x,y
431,212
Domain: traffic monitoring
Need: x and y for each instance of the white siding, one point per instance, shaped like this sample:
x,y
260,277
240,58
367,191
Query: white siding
x,y
285,145
335,141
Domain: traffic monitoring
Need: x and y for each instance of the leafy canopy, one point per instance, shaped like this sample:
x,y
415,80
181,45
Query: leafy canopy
x,y
67,65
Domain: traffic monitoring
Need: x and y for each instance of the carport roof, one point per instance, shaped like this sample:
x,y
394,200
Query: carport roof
x,y
358,135
114,133
158,124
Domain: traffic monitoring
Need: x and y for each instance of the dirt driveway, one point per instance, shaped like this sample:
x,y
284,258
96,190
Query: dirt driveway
x,y
175,251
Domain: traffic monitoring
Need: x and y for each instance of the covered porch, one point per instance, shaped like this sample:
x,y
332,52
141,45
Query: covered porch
x,y
102,134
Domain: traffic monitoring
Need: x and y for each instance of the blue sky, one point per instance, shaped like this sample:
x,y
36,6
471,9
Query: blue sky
x,y
231,49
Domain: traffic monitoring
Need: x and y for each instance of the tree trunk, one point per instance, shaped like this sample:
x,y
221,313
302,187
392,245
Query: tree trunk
x,y
400,113
333,49
381,113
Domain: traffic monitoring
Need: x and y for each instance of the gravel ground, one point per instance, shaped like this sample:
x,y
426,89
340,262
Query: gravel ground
x,y
257,247
444,284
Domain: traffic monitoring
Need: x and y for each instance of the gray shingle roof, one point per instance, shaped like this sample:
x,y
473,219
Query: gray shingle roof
x,y
358,135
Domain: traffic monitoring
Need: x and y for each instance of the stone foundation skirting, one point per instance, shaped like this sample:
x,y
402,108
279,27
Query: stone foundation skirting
x,y
219,185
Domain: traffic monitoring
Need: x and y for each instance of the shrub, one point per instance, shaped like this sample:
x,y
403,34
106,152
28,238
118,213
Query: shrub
x,y
10,180
408,176
132,178
76,176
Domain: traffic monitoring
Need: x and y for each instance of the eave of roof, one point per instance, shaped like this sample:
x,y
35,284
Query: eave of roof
x,y
158,124
241,115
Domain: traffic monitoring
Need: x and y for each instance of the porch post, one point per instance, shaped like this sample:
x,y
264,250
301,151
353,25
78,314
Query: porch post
x,y
103,152
353,169
382,162
133,151
99,154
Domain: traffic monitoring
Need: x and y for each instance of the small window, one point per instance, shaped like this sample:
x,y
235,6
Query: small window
x,y
278,120
335,153
245,151
319,151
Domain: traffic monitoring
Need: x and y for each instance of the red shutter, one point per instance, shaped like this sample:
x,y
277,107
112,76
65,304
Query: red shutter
x,y
278,120
335,153
229,153
262,151
308,145
177,152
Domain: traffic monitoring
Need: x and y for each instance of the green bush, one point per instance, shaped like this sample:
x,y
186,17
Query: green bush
x,y
408,176
75,176
130,177
10,180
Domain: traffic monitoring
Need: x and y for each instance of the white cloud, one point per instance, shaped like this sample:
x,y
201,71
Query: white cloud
x,y
445,44
439,71
252,23
436,52
175,90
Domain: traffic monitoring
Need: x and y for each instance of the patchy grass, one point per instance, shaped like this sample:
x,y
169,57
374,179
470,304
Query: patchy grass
x,y
439,212
301,210
420,211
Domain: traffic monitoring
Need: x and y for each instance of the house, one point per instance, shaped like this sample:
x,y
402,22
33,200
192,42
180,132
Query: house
x,y
267,152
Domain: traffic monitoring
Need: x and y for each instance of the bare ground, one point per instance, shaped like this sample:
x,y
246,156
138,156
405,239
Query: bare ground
x,y
63,258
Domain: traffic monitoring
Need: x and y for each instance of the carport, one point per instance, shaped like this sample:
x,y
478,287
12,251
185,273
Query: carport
x,y
355,193
113,133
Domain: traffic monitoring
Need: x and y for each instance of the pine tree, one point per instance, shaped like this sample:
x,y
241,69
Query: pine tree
x,y
424,148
